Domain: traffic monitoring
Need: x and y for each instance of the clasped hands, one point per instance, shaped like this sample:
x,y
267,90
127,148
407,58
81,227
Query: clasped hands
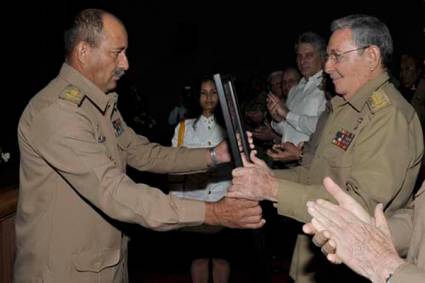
x,y
346,233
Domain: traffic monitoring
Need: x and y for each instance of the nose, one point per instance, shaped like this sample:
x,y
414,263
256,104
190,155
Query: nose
x,y
123,63
328,66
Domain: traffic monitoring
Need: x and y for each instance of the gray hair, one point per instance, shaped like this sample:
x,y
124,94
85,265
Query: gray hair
x,y
314,39
368,30
275,74
87,26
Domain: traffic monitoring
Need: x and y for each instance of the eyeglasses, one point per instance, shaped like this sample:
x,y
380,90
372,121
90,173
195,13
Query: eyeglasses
x,y
335,58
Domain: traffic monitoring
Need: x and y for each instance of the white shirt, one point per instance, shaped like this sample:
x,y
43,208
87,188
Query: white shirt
x,y
306,101
207,133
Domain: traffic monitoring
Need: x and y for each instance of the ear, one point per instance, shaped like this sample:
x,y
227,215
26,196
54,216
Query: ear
x,y
82,51
374,57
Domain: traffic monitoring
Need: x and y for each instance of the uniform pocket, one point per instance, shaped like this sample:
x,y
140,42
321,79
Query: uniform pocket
x,y
123,141
338,158
96,261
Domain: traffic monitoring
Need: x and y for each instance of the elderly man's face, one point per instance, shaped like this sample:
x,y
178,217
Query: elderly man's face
x,y
276,85
348,70
289,79
308,60
108,61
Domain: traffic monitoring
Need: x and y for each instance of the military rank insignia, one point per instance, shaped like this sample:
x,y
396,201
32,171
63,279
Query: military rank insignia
x,y
378,100
118,127
343,139
72,94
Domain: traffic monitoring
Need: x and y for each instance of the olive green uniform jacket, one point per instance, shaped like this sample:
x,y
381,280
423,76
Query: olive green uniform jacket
x,y
408,232
371,146
74,149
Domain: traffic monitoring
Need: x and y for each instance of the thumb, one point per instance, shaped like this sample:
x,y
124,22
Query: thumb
x,y
346,201
381,221
339,195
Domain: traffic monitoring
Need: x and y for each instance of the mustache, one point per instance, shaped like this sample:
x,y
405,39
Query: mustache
x,y
119,73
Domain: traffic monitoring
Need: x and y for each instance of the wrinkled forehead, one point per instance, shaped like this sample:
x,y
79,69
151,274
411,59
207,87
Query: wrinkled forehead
x,y
306,48
114,30
340,40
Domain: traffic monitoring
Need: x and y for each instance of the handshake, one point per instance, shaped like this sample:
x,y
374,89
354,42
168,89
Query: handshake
x,y
240,207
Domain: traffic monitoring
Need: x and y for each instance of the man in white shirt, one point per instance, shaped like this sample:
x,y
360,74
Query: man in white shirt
x,y
296,120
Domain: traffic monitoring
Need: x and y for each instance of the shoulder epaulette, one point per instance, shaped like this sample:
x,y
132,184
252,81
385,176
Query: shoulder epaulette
x,y
72,94
378,100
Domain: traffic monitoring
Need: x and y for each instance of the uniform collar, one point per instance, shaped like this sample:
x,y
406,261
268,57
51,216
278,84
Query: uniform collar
x,y
360,98
90,90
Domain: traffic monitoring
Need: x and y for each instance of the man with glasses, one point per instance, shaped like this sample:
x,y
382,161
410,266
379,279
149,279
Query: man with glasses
x,y
371,145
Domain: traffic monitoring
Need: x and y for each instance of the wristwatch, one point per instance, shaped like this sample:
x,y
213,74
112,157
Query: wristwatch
x,y
213,155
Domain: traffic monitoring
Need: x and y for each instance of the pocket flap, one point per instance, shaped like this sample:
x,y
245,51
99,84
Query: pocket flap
x,y
96,261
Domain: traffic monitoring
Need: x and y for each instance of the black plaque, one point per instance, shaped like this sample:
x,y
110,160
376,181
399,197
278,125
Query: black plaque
x,y
234,124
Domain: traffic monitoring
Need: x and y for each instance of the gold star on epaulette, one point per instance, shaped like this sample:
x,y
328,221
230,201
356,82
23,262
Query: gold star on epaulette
x,y
378,100
72,94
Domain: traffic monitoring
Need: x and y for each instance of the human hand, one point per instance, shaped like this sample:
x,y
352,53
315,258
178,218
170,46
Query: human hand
x,y
265,133
276,107
285,152
255,116
234,213
344,200
254,181
367,248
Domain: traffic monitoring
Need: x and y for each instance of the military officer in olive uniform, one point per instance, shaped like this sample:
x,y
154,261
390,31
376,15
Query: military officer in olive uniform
x,y
74,150
371,145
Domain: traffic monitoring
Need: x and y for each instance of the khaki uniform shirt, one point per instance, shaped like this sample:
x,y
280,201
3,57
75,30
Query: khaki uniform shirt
x,y
74,150
371,146
408,232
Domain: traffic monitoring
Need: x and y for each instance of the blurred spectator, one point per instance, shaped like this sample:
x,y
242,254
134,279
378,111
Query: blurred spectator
x,y
296,119
290,78
410,72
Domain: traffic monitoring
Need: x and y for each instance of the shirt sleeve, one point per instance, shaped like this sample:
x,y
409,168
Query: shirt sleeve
x,y
306,123
146,156
401,227
278,126
66,141
408,273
